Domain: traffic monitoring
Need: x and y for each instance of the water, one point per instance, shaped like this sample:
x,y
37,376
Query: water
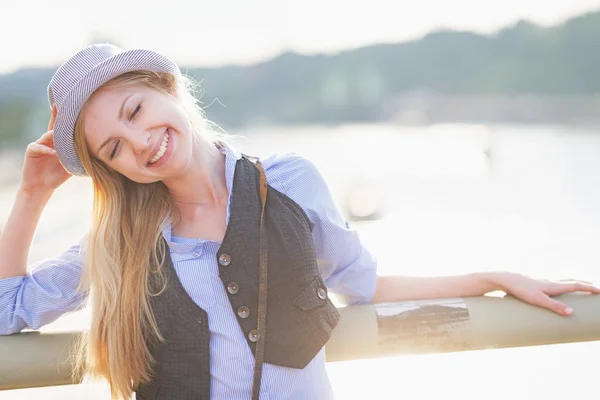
x,y
454,199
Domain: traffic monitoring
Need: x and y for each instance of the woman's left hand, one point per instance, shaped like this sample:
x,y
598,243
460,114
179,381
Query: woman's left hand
x,y
538,292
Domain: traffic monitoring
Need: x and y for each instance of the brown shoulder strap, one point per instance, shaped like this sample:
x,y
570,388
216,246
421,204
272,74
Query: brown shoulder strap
x,y
262,286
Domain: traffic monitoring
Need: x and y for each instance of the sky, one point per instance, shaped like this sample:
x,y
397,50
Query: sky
x,y
218,32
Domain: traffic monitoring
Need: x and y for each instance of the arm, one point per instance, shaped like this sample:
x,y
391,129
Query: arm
x,y
40,297
18,232
349,269
533,291
402,288
42,174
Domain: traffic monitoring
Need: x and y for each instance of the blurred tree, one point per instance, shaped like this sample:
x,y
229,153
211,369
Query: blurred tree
x,y
524,60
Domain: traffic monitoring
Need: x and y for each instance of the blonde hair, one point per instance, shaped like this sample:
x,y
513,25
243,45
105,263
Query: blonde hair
x,y
125,252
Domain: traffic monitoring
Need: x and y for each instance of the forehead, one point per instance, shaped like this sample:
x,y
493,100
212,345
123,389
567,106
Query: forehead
x,y
106,100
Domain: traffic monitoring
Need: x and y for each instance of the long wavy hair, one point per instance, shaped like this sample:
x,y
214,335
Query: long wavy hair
x,y
125,252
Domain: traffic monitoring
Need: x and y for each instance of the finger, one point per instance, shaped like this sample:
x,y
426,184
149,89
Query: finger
x,y
47,139
575,280
36,149
557,306
53,117
583,287
577,287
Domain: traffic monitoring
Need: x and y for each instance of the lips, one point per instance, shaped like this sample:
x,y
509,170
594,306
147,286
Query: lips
x,y
159,148
162,153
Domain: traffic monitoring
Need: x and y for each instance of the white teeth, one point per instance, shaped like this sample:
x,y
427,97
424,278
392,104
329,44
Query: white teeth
x,y
161,151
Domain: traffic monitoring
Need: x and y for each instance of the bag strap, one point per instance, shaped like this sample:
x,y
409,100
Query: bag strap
x,y
262,286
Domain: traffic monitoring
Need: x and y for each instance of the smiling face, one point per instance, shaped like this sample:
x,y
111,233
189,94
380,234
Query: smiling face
x,y
138,131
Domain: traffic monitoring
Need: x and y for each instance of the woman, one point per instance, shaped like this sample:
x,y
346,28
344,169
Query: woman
x,y
192,243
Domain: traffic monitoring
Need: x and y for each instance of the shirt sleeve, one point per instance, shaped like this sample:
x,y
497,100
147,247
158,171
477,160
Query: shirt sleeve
x,y
347,266
44,294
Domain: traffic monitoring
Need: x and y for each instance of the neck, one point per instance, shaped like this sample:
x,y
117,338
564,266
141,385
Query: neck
x,y
203,184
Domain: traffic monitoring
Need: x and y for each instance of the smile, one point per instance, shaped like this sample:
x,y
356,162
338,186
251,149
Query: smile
x,y
161,151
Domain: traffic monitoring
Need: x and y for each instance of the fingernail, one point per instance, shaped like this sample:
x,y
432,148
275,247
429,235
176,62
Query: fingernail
x,y
568,311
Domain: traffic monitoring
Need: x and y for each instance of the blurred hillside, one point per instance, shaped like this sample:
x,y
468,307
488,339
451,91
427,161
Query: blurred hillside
x,y
523,73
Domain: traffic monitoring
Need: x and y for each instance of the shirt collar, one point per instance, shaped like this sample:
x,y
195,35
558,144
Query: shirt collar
x,y
232,155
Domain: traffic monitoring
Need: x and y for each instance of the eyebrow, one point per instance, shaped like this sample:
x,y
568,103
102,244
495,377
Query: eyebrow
x,y
120,117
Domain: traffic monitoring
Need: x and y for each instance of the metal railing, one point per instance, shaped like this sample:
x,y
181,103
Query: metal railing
x,y
34,359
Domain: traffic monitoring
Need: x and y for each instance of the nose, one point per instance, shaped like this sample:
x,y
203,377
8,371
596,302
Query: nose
x,y
140,141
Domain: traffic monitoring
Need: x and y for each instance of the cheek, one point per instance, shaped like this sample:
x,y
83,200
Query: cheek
x,y
180,117
126,165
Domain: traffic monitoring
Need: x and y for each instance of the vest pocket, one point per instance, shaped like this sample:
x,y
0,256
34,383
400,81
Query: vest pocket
x,y
304,329
313,295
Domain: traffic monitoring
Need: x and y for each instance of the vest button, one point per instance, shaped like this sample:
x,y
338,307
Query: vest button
x,y
233,288
224,259
322,293
243,312
253,335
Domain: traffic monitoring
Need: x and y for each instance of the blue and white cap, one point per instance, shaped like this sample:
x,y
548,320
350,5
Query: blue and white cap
x,y
76,80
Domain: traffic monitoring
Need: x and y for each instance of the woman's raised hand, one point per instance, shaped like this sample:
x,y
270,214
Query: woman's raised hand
x,y
42,170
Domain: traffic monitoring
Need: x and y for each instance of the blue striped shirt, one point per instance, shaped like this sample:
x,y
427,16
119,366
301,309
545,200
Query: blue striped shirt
x,y
347,267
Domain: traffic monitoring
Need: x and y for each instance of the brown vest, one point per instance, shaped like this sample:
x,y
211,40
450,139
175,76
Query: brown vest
x,y
300,316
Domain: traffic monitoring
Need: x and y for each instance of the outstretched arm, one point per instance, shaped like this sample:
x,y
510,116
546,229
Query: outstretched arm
x,y
533,291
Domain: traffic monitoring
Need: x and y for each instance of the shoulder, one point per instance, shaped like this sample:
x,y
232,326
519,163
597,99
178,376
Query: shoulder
x,y
291,173
300,179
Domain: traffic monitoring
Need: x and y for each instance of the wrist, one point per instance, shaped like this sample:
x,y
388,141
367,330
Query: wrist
x,y
492,280
25,194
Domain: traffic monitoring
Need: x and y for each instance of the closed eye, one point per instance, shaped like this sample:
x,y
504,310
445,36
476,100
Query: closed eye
x,y
114,150
138,108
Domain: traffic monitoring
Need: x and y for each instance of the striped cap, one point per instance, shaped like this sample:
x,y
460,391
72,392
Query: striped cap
x,y
76,80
